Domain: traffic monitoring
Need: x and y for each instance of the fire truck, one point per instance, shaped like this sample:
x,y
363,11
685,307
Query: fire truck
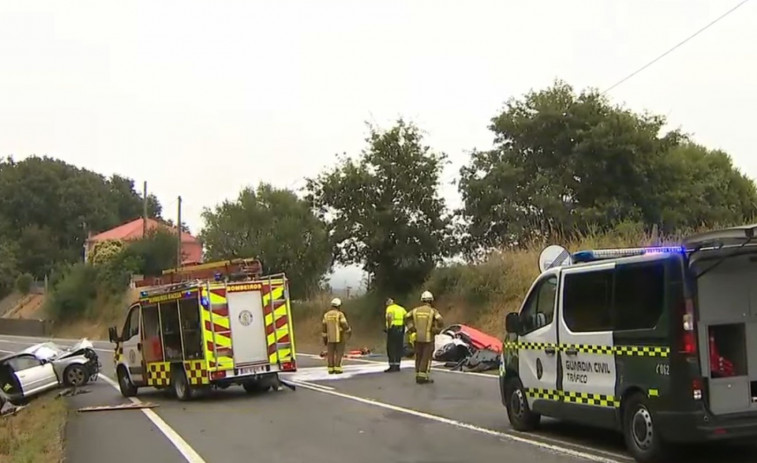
x,y
207,326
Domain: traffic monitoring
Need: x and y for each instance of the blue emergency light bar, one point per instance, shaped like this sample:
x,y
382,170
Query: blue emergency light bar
x,y
601,254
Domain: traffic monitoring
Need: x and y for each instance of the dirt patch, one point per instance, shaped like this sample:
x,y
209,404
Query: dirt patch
x,y
34,434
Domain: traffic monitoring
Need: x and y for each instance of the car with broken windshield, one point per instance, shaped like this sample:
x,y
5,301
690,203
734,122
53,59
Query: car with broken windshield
x,y
659,343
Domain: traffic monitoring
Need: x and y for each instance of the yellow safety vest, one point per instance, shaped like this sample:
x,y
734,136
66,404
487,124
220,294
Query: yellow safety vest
x,y
397,314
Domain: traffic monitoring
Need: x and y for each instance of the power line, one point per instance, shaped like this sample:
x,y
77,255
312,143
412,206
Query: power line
x,y
678,45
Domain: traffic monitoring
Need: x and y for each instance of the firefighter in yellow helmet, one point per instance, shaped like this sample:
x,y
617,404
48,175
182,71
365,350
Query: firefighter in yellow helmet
x,y
335,331
425,321
395,334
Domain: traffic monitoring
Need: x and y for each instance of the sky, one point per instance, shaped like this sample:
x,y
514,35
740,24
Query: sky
x,y
201,98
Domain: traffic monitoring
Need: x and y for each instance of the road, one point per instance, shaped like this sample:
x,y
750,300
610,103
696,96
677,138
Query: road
x,y
365,416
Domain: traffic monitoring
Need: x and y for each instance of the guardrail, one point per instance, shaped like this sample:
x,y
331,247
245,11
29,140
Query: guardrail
x,y
24,327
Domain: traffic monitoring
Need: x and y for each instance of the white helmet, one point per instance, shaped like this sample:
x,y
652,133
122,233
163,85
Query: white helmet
x,y
427,296
336,302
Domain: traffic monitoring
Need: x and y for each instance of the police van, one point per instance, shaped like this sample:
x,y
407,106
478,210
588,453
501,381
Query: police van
x,y
659,343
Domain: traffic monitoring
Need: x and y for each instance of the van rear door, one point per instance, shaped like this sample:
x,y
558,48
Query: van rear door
x,y
247,323
727,327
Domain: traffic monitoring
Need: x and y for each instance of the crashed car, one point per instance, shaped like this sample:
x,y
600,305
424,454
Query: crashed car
x,y
465,348
46,366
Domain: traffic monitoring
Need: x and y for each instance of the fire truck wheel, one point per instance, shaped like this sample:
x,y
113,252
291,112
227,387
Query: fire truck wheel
x,y
640,432
180,384
255,386
128,389
518,412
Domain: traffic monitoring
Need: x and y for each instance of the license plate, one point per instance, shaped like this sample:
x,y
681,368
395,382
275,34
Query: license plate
x,y
247,371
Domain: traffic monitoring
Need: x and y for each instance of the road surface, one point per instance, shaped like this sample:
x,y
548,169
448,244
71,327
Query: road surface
x,y
362,416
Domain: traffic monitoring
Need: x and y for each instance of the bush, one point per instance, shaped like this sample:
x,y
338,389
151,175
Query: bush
x,y
24,283
74,294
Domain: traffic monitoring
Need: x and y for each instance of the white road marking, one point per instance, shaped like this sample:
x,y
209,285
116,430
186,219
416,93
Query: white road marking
x,y
176,440
7,351
459,424
312,385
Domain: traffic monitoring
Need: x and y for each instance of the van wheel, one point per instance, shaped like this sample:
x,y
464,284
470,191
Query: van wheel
x,y
642,437
128,389
180,384
518,412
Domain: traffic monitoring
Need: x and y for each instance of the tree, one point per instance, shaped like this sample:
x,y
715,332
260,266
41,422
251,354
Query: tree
x,y
566,163
150,255
384,210
275,226
51,205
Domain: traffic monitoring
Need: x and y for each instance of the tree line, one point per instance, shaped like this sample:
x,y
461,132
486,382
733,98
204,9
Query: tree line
x,y
561,163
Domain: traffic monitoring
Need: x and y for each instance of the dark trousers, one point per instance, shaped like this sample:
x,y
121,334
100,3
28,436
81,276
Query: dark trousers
x,y
395,339
423,353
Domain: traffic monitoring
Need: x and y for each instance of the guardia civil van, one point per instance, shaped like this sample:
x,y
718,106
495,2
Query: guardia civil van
x,y
658,343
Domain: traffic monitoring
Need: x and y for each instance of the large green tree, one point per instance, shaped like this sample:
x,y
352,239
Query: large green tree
x,y
47,206
384,210
275,226
565,162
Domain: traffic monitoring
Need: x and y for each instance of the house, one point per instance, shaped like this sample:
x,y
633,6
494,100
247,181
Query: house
x,y
191,247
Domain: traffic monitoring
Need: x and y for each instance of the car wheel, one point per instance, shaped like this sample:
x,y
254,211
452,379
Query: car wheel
x,y
640,433
128,389
75,376
518,412
180,384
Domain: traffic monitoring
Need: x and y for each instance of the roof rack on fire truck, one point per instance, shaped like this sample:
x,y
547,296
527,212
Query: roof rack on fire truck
x,y
230,270
557,256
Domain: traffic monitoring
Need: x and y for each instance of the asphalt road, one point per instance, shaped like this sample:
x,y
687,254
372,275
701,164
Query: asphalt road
x,y
364,416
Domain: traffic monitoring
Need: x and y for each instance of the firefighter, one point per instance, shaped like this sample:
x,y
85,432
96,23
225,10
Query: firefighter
x,y
395,334
335,331
425,321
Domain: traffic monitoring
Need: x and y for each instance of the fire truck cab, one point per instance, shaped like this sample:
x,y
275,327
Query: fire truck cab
x,y
192,333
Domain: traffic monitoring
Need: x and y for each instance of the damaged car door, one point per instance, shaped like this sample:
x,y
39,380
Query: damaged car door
x,y
33,375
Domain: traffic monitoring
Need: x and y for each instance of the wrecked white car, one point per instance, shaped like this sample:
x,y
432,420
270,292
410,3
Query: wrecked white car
x,y
46,366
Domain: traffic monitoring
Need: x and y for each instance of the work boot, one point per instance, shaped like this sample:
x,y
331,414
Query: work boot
x,y
338,371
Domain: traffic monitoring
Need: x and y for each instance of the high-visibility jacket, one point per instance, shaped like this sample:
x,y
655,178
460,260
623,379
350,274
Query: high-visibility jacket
x,y
426,321
335,326
395,315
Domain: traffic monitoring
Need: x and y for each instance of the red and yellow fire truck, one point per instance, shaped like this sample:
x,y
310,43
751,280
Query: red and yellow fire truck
x,y
194,332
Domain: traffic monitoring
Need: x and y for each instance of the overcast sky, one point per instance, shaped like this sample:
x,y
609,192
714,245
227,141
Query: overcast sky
x,y
202,98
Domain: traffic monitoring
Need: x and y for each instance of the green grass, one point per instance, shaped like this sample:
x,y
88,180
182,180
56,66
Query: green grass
x,y
34,434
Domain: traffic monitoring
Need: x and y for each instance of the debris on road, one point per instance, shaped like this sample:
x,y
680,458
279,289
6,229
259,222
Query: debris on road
x,y
72,392
466,348
126,406
361,353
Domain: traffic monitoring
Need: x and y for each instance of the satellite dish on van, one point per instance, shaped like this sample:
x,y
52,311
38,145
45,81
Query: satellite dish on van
x,y
553,256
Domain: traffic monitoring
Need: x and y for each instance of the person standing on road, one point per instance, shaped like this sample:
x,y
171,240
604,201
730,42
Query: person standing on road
x,y
425,321
335,331
395,334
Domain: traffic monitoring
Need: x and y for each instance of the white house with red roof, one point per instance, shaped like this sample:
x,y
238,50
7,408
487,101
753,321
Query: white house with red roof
x,y
191,247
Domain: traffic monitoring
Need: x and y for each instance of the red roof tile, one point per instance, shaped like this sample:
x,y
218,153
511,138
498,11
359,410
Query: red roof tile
x,y
133,231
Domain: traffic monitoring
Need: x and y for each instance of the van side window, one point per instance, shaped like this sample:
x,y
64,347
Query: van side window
x,y
131,325
587,300
540,308
639,295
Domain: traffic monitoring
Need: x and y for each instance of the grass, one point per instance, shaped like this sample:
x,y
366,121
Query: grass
x,y
34,434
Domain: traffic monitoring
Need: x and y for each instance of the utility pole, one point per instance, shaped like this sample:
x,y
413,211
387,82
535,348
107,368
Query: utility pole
x,y
178,229
144,210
